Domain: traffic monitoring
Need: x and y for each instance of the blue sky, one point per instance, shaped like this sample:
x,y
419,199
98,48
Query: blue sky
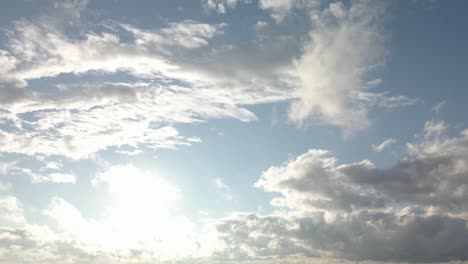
x,y
233,131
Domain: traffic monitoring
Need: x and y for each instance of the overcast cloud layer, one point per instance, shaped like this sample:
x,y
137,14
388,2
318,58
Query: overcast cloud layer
x,y
95,107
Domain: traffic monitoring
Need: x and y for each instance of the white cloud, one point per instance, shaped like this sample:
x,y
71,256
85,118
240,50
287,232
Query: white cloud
x,y
346,44
60,178
44,51
12,169
435,141
52,165
313,181
11,212
221,6
279,9
385,144
187,34
260,25
434,129
414,211
4,187
82,119
77,120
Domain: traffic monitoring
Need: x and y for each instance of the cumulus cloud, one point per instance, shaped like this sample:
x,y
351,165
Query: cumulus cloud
x,y
327,208
414,211
315,181
404,237
346,44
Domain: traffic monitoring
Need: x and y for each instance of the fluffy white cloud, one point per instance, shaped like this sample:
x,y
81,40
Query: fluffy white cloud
x,y
346,44
313,181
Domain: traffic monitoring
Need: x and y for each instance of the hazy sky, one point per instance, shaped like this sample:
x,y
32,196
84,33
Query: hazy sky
x,y
233,131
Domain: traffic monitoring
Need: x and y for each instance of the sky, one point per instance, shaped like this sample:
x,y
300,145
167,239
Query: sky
x,y
233,131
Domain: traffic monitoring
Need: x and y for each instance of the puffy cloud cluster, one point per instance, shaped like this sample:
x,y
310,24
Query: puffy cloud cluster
x,y
78,119
414,211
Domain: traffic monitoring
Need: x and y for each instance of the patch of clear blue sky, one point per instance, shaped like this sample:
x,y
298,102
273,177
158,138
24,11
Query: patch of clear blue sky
x,y
427,61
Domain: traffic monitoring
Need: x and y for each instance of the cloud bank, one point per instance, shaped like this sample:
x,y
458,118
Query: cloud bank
x,y
414,211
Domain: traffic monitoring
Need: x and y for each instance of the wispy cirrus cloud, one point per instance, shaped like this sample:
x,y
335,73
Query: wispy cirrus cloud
x,y
385,144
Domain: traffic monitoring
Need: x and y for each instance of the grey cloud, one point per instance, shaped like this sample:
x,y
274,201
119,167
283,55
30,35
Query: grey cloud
x,y
441,182
384,237
250,236
438,179
16,237
11,94
313,181
413,211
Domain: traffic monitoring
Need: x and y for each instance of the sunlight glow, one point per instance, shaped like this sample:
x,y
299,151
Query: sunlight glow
x,y
143,215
